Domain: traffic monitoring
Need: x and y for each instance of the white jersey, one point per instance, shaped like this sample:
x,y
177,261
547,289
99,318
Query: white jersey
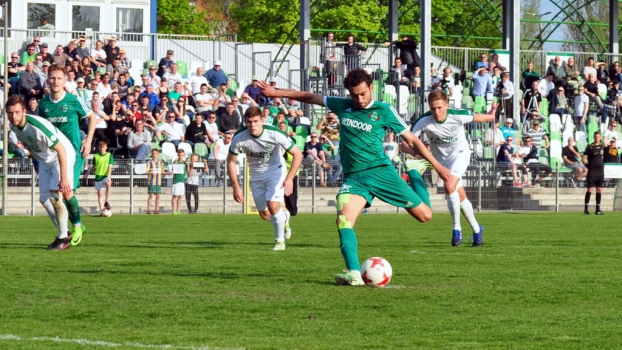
x,y
263,153
447,139
39,137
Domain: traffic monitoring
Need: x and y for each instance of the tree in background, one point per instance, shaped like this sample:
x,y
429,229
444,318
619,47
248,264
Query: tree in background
x,y
179,17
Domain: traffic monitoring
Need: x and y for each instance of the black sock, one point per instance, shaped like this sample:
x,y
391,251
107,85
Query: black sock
x,y
587,199
598,195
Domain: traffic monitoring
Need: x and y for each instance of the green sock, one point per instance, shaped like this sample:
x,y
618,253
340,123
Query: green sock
x,y
74,210
349,248
417,184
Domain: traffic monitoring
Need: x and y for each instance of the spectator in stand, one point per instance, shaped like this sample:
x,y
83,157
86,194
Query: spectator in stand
x,y
192,181
266,100
572,74
611,132
581,107
508,131
139,140
602,75
533,162
92,88
160,111
219,154
483,62
506,157
16,147
398,74
28,55
102,119
506,99
611,152
173,77
180,110
291,105
60,57
546,85
216,76
495,74
47,57
36,41
329,127
287,130
229,121
165,63
29,83
559,73
239,109
104,88
123,86
115,66
333,168
112,51
529,76
81,50
173,131
204,101
572,161
70,50
213,132
537,134
196,132
482,82
33,107
390,147
559,103
153,97
532,99
408,54
416,80
98,56
45,25
14,68
444,82
252,89
591,90
81,90
589,69
221,99
178,93
70,83
352,52
315,153
495,59
125,62
155,80
494,137
194,82
592,158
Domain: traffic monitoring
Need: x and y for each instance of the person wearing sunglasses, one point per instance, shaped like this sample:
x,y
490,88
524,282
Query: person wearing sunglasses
x,y
507,158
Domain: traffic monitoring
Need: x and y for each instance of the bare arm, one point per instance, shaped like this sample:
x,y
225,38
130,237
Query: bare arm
x,y
302,96
288,184
412,143
238,196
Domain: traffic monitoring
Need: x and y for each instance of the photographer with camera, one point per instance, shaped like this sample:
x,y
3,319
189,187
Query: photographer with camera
x,y
504,91
532,99
444,82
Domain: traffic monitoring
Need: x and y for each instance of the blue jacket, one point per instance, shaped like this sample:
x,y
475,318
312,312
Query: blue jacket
x,y
153,99
216,77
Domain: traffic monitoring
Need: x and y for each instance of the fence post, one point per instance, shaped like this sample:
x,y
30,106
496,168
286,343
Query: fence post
x,y
132,187
557,187
479,189
313,189
399,172
224,190
32,189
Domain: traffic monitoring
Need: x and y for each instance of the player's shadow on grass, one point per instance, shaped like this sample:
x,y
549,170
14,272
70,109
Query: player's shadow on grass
x,y
222,275
22,246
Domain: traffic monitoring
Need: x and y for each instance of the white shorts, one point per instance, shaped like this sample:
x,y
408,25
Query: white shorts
x,y
178,189
457,166
101,185
268,189
49,176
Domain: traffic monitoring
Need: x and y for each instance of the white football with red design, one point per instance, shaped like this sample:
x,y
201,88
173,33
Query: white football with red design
x,y
376,272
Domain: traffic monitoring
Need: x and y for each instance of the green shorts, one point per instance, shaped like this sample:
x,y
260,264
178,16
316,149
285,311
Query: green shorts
x,y
382,182
154,189
78,167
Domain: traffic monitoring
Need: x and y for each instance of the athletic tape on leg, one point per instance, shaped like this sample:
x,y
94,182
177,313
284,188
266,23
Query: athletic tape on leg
x,y
341,200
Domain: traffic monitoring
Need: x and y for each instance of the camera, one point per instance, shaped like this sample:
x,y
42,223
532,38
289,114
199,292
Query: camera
x,y
499,89
444,83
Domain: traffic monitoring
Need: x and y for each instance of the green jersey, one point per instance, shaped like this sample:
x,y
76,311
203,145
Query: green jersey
x,y
177,178
65,114
101,163
362,132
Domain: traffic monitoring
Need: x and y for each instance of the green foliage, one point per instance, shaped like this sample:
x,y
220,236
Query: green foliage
x,y
266,20
541,281
179,17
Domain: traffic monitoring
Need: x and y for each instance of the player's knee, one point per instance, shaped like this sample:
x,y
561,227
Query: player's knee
x,y
265,215
43,197
425,215
343,222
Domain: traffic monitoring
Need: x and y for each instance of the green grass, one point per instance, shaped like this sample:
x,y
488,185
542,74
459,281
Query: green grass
x,y
547,281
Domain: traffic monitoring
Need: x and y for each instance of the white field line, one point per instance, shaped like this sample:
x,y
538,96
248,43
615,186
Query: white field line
x,y
86,342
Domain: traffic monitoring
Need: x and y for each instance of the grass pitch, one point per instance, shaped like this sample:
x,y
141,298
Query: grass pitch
x,y
212,281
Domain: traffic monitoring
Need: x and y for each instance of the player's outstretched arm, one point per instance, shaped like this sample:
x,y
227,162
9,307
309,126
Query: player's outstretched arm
x,y
302,96
238,196
288,184
489,117
413,145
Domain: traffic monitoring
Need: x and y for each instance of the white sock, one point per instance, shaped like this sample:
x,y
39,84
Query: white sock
x,y
51,213
278,223
467,211
453,204
62,215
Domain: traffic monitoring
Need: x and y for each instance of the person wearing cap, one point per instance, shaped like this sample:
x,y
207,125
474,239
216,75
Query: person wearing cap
x,y
252,89
601,73
81,90
124,62
166,61
43,76
111,48
482,83
538,134
508,131
196,81
216,76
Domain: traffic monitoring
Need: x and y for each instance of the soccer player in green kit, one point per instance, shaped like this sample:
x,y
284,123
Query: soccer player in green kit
x,y
368,172
65,111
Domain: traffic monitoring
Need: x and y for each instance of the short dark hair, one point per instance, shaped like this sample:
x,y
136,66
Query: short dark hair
x,y
15,100
437,95
355,77
252,112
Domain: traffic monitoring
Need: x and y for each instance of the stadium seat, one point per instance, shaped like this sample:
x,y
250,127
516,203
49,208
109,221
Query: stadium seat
x,y
193,67
149,64
388,99
467,102
390,89
544,109
186,147
602,91
201,149
302,131
555,123
169,149
182,68
480,104
542,152
403,94
300,141
233,85
155,145
581,145
137,63
101,70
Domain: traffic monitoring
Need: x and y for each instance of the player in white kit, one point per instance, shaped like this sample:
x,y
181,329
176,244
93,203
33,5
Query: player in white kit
x,y
444,128
269,178
56,157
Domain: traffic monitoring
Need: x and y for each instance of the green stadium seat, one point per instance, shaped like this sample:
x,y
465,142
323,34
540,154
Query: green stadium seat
x,y
233,85
467,102
300,141
182,68
480,104
302,131
151,63
201,149
101,70
545,107
388,98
